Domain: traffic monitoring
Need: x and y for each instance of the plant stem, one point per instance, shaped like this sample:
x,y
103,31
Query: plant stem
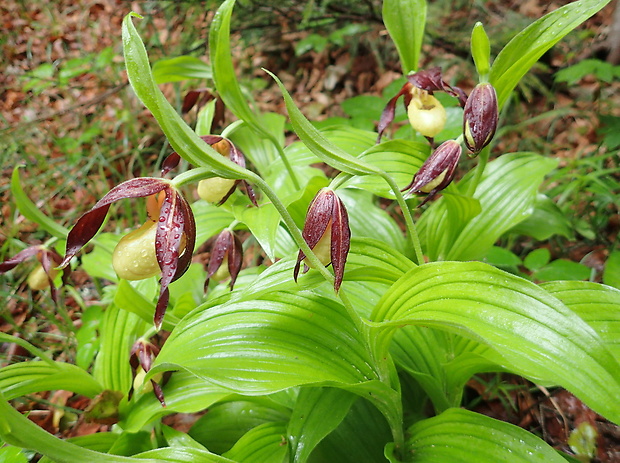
x,y
483,159
412,231
287,164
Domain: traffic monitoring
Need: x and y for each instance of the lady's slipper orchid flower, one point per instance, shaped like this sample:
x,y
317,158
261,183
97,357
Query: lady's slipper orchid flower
x,y
42,276
218,189
143,353
437,171
226,258
327,233
480,117
427,115
175,224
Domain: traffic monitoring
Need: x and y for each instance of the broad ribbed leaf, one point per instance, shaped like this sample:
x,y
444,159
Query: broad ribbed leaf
x,y
405,21
318,411
361,437
399,158
35,376
546,220
130,299
318,144
263,444
461,436
506,194
266,345
31,211
180,68
598,305
263,222
210,220
181,137
520,54
119,330
226,422
179,455
444,221
262,153
184,393
535,333
367,219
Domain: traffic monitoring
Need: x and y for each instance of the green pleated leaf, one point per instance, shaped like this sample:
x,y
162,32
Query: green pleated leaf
x,y
520,54
441,224
318,412
35,376
264,444
130,299
547,219
360,437
266,345
506,194
598,305
180,68
367,219
100,442
399,158
210,220
179,455
263,222
181,137
119,330
611,274
440,362
184,393
228,421
534,332
260,152
405,21
31,211
461,436
179,439
318,144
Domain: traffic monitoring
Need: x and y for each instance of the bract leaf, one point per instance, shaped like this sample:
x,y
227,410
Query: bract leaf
x,y
405,21
520,54
452,435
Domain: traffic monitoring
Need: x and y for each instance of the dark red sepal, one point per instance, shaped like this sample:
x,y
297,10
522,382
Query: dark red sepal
x,y
89,224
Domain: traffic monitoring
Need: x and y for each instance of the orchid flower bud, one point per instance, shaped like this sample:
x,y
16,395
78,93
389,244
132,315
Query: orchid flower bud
x,y
480,117
437,171
327,233
426,114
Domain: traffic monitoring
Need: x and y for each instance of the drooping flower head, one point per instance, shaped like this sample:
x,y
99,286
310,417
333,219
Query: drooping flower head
x,y
425,112
143,354
42,276
327,233
437,171
174,224
218,189
226,258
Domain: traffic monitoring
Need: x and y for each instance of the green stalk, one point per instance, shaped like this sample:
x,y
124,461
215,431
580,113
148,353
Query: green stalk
x,y
412,231
287,165
483,159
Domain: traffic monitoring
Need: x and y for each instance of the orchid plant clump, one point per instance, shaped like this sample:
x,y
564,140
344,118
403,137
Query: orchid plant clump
x,y
365,355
